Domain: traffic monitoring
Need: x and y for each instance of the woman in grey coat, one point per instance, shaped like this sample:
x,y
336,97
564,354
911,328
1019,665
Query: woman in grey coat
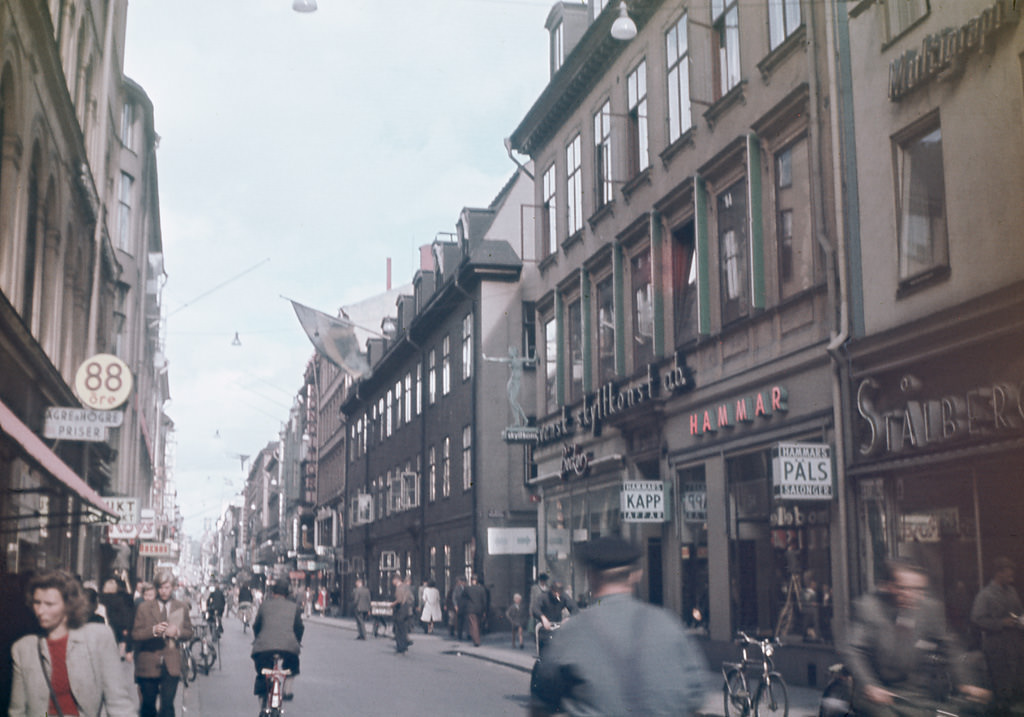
x,y
79,660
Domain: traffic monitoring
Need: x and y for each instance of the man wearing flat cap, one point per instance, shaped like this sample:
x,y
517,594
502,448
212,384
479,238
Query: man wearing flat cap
x,y
620,656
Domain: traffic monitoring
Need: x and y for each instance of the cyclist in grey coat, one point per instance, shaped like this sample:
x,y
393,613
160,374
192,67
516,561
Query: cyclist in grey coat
x,y
278,628
620,656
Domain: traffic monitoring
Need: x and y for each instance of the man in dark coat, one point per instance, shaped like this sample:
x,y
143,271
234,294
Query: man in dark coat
x,y
159,628
456,617
997,613
361,598
549,612
474,600
401,610
278,628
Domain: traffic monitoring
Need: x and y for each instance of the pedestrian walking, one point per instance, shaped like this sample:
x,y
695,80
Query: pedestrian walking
x,y
401,608
456,617
307,602
997,612
159,625
474,600
516,615
431,601
120,613
72,667
620,656
361,599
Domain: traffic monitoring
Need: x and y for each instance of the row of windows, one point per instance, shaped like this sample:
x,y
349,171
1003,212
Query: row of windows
x,y
399,490
404,401
784,20
799,265
619,334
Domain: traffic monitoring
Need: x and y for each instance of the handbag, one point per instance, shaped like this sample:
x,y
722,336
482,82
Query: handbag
x,y
46,676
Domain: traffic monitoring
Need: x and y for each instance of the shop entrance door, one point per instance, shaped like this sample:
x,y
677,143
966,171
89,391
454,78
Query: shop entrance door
x,y
655,574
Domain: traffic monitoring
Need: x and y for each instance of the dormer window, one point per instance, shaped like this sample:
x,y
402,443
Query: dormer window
x,y
557,47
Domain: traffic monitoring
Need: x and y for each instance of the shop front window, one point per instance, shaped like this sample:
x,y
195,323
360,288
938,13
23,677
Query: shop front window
x,y
931,521
557,538
694,546
780,567
574,519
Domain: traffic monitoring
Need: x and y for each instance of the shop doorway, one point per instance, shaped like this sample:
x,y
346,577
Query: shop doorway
x,y
655,572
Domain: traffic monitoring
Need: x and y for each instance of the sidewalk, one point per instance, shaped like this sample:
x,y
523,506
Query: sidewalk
x,y
497,648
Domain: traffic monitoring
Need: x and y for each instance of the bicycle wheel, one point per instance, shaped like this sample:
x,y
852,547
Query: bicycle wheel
x,y
203,654
186,670
734,694
772,698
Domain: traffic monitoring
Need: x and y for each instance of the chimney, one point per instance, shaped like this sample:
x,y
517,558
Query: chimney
x,y
389,274
426,258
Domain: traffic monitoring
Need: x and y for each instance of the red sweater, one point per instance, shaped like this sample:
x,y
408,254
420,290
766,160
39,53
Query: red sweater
x,y
59,678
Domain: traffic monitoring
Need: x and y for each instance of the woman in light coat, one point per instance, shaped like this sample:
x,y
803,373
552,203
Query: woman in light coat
x,y
431,606
79,659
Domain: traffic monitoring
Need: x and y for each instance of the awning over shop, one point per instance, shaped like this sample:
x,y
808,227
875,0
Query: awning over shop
x,y
50,462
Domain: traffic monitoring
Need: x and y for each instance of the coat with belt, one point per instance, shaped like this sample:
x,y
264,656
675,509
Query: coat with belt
x,y
95,672
153,652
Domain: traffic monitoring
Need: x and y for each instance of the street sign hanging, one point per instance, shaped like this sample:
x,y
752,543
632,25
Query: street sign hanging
x,y
79,424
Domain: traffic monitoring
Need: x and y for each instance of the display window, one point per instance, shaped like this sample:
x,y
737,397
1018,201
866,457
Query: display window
x,y
954,520
779,558
574,518
692,510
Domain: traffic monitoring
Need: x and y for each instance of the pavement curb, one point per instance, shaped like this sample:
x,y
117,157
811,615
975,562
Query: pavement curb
x,y
803,701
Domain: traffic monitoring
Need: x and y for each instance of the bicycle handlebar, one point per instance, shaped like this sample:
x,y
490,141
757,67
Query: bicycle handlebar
x,y
743,638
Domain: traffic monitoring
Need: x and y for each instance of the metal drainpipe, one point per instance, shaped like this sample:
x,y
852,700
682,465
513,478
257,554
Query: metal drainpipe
x,y
838,286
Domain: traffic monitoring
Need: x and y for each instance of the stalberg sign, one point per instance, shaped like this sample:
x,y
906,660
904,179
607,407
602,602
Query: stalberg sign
x,y
644,502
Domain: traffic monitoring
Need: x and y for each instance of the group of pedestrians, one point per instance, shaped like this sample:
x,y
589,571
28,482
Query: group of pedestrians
x,y
73,664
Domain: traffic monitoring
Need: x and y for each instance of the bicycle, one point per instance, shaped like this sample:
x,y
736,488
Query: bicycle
x,y
837,697
245,615
189,669
770,695
202,649
273,696
214,622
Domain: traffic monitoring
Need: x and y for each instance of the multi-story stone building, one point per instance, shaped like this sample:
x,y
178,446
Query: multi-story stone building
x,y
429,478
935,313
263,512
328,387
80,275
685,297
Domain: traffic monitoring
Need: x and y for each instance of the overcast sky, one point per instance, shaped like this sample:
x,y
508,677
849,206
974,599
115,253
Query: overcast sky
x,y
297,153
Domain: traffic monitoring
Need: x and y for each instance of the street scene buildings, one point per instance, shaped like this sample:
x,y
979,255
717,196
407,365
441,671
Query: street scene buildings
x,y
81,271
751,297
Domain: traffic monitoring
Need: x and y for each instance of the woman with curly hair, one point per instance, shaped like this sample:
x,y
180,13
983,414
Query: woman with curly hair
x,y
71,667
